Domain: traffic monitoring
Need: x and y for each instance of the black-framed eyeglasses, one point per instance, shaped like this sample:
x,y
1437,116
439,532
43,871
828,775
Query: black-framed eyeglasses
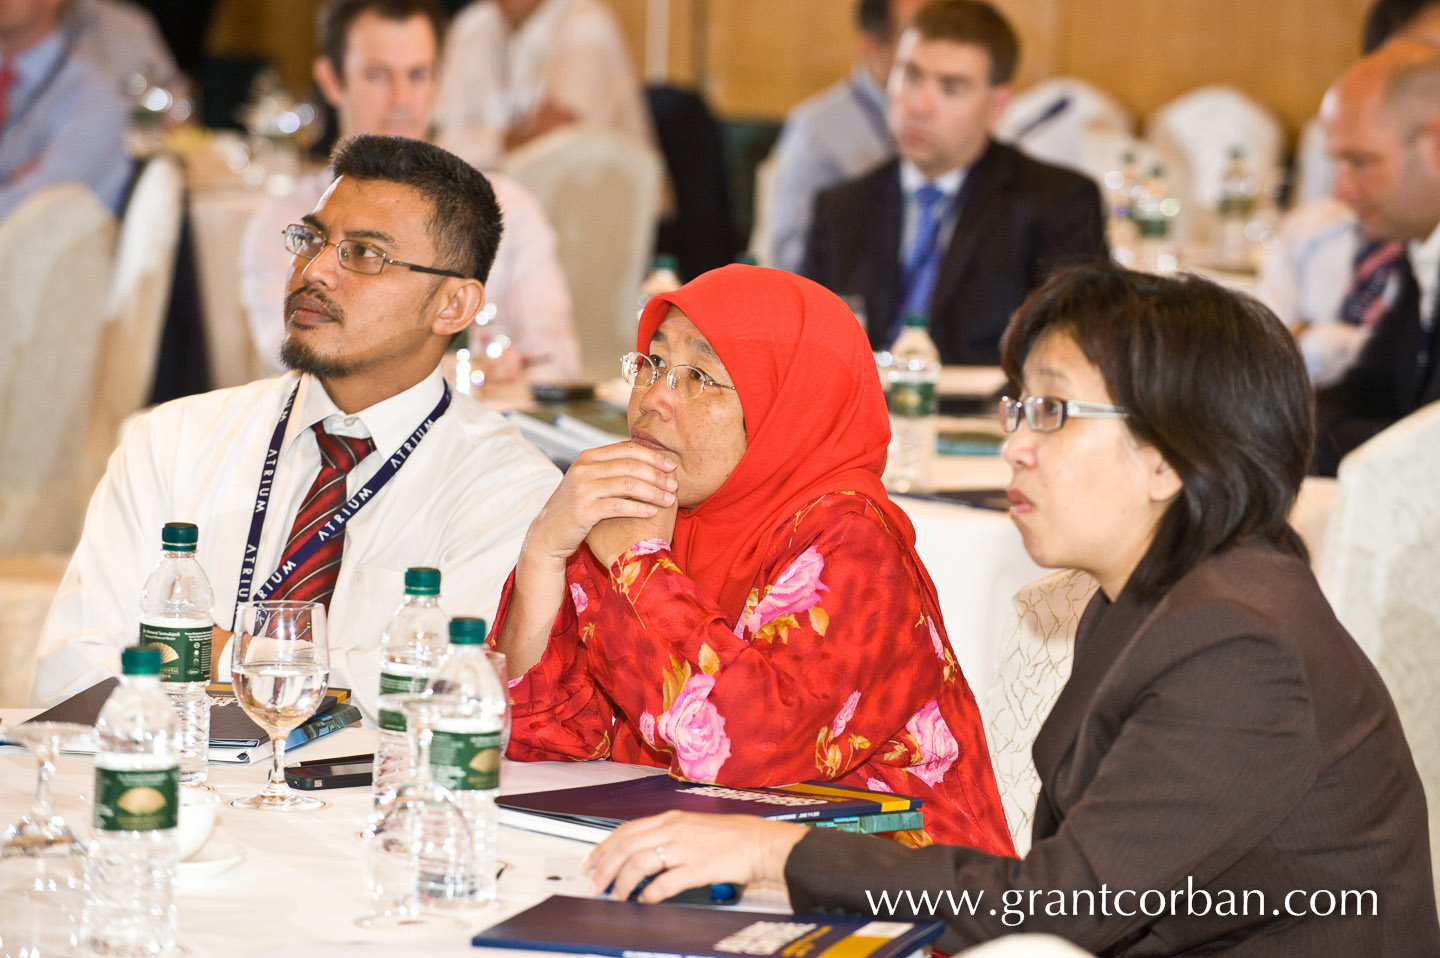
x,y
1047,414
685,382
354,255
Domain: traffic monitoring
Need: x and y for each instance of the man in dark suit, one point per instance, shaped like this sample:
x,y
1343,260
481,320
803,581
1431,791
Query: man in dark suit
x,y
1382,128
959,227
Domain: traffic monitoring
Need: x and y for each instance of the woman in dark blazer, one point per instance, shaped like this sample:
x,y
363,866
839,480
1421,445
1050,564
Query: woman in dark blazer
x,y
1224,772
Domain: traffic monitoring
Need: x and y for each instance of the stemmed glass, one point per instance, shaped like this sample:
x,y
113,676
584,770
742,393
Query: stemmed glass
x,y
42,861
417,845
280,670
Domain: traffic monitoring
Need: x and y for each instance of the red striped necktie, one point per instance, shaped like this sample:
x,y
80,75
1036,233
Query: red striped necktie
x,y
8,76
315,580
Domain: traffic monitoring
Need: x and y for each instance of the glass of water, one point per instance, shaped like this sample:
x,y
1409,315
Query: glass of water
x,y
281,667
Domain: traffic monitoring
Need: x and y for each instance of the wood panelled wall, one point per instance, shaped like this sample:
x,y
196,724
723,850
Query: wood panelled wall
x,y
756,58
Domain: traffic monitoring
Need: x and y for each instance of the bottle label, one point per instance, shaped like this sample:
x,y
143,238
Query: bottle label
x,y
184,652
136,800
463,761
911,400
392,720
1153,227
1236,205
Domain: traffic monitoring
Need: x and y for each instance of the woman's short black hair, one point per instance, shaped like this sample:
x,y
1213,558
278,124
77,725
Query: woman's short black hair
x,y
1211,379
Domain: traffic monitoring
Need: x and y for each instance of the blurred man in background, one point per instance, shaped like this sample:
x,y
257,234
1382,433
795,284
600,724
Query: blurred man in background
x,y
377,68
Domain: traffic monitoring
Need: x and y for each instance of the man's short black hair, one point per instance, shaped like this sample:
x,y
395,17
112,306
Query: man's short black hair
x,y
333,21
974,22
464,221
873,17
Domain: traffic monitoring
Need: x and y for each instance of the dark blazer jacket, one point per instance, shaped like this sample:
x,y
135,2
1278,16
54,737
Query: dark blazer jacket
x,y
1230,737
1386,384
1019,220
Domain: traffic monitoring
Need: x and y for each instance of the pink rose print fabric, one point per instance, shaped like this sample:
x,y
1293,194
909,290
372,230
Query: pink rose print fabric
x,y
836,668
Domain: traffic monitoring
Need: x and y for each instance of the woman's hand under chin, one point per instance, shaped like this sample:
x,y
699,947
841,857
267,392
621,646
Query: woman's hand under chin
x,y
610,537
693,850
623,482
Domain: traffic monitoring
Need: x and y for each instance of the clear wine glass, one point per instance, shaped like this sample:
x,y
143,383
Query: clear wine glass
x,y
42,861
280,669
418,844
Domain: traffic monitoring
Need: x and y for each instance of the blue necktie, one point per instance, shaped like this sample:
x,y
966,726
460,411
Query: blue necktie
x,y
917,280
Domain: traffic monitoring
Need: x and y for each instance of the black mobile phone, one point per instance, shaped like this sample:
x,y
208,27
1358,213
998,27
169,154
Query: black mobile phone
x,y
347,771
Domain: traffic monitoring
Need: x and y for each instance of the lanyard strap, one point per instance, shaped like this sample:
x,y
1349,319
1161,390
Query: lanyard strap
x,y
336,523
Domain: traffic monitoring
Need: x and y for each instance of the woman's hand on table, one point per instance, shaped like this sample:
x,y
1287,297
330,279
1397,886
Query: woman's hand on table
x,y
684,850
624,481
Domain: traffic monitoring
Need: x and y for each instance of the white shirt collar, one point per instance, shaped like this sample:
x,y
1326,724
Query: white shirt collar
x,y
1425,264
911,179
389,422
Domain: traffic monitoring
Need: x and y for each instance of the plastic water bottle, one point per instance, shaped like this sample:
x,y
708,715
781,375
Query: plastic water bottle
x,y
465,752
912,377
1122,188
131,909
662,279
1153,211
412,645
176,621
1237,206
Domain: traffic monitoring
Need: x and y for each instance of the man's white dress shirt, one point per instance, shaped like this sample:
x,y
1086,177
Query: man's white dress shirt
x,y
570,51
526,284
833,137
461,503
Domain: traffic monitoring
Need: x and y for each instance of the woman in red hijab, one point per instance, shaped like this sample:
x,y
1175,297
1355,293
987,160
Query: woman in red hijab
x,y
731,594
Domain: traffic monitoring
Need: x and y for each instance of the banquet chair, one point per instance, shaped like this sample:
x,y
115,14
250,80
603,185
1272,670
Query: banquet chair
x,y
135,307
55,252
601,192
1025,946
1202,126
1034,663
1053,119
27,585
1378,570
762,233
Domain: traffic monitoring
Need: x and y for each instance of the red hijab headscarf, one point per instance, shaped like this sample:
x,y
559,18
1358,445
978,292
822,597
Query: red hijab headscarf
x,y
815,418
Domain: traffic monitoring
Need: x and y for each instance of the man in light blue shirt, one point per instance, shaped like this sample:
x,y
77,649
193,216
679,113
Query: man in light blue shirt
x,y
837,134
60,122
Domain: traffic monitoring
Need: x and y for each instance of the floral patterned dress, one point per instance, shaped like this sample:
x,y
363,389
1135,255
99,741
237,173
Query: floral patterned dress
x,y
837,669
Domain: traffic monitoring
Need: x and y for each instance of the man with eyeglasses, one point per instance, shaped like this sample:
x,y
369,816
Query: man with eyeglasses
x,y
363,442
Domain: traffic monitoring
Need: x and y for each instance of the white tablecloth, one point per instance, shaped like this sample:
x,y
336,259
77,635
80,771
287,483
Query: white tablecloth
x,y
300,886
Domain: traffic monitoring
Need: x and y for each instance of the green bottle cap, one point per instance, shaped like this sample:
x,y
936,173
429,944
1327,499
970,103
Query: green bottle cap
x,y
179,536
140,661
917,320
747,259
421,580
666,261
467,631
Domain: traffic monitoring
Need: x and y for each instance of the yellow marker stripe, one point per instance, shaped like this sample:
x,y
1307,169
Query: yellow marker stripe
x,y
888,803
854,946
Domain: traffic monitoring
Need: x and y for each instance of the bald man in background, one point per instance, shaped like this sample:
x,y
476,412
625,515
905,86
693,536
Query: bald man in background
x,y
1382,129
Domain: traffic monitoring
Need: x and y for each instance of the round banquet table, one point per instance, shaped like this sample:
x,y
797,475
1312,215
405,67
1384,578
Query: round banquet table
x,y
299,886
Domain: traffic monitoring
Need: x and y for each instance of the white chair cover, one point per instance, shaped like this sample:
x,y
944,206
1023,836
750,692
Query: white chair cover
x,y
762,234
1025,946
1378,570
1034,663
55,252
601,191
1054,119
1314,170
27,585
1203,125
135,309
